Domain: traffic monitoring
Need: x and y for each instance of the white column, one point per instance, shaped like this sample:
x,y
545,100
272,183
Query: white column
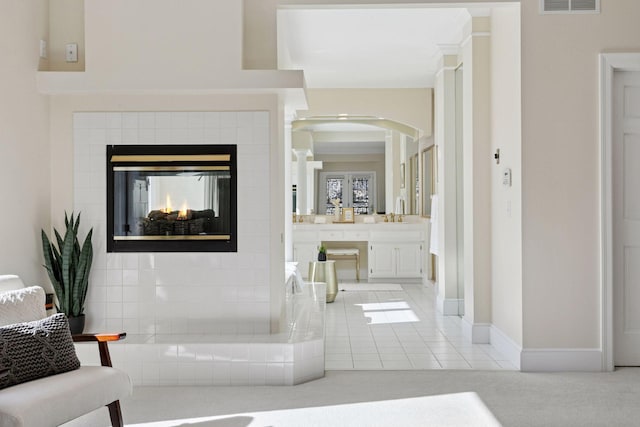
x,y
449,301
477,184
393,141
388,173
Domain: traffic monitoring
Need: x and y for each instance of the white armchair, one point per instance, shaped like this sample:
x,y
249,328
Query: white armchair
x,y
56,399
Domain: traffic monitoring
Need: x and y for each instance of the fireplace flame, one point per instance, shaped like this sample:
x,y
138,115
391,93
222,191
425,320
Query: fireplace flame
x,y
167,208
183,212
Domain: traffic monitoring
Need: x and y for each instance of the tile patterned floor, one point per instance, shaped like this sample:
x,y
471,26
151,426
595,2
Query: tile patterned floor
x,y
398,330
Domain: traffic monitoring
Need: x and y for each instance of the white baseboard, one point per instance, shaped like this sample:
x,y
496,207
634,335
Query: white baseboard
x,y
479,333
450,306
505,346
533,359
487,333
561,359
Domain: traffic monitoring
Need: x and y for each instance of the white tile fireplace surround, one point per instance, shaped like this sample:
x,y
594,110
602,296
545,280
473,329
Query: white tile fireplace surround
x,y
178,294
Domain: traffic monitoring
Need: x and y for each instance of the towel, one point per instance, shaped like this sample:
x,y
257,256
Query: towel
x,y
399,205
433,243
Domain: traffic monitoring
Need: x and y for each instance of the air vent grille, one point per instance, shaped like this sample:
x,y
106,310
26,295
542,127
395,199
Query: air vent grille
x,y
555,5
570,6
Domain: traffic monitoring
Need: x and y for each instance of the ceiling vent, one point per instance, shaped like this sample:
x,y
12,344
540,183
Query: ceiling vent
x,y
570,6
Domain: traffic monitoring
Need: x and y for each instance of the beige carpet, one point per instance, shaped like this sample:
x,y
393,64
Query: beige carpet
x,y
514,398
461,409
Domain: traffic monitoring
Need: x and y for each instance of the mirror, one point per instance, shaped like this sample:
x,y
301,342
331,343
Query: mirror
x,y
358,160
427,167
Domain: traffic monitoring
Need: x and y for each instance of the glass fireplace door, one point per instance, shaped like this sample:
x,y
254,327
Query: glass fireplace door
x,y
180,198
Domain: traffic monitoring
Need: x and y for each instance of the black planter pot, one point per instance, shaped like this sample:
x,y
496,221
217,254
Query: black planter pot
x,y
76,324
322,256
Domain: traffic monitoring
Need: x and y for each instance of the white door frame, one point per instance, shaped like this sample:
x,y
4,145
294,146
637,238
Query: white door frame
x,y
609,63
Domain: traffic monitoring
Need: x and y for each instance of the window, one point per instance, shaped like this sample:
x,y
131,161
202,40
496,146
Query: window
x,y
355,190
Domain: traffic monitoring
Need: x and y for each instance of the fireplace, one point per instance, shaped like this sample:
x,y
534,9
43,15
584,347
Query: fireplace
x,y
171,198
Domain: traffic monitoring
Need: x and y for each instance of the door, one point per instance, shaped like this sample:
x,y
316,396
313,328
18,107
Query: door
x,y
355,190
408,260
626,218
382,260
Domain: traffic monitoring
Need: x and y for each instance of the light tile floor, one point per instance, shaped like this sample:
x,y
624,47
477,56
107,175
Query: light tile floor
x,y
397,330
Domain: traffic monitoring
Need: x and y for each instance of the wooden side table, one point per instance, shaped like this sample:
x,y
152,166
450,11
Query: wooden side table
x,y
325,271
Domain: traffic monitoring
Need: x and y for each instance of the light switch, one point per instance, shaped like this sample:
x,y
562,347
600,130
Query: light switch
x,y
71,52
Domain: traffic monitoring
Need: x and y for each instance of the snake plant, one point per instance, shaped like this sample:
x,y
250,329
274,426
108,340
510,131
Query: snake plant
x,y
68,266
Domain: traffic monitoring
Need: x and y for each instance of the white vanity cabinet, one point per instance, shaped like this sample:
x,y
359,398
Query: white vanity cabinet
x,y
394,250
395,260
396,255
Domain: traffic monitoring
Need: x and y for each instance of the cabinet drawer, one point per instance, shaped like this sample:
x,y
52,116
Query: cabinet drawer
x,y
396,236
305,236
356,236
332,235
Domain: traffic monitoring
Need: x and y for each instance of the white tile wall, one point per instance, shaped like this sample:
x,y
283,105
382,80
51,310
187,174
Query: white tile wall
x,y
177,293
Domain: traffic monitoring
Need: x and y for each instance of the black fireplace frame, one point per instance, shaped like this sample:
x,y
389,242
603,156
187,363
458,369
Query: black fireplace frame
x,y
229,244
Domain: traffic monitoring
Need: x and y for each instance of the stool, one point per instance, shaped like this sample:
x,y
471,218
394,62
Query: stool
x,y
346,253
325,271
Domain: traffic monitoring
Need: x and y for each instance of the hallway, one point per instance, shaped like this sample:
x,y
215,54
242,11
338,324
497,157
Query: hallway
x,y
400,330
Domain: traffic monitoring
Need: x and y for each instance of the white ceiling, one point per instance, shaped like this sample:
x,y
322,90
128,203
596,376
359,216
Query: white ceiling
x,y
367,47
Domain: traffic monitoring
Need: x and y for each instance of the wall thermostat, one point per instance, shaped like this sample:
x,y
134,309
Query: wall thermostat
x,y
506,177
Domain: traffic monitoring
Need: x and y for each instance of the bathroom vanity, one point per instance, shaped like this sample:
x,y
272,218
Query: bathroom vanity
x,y
393,250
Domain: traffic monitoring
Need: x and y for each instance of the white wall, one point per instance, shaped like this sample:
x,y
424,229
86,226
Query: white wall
x,y
158,38
506,202
24,141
